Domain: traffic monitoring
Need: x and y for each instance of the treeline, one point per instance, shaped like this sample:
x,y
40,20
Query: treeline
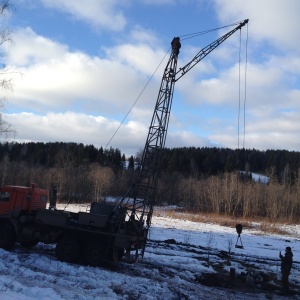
x,y
199,162
195,162
230,194
201,179
59,154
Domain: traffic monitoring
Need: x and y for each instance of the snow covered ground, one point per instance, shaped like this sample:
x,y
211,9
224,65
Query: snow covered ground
x,y
184,260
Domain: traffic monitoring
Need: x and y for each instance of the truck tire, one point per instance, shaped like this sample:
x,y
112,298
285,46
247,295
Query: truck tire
x,y
7,237
67,249
94,253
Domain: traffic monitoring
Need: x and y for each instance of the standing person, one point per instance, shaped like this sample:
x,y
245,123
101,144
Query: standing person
x,y
286,265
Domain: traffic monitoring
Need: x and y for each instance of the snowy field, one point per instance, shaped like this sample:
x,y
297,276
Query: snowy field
x,y
183,260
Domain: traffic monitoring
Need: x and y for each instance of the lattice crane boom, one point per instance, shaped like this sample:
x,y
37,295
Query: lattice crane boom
x,y
206,50
141,198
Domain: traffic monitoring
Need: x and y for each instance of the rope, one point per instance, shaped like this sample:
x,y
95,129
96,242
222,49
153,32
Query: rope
x,y
239,107
192,35
239,103
245,88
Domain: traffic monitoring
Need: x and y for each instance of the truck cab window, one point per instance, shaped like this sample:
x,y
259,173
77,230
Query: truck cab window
x,y
4,196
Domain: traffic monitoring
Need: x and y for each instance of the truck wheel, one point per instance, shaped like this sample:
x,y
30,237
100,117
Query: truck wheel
x,y
7,237
67,249
94,253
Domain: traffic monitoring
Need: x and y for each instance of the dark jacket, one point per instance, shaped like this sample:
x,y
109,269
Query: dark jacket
x,y
286,262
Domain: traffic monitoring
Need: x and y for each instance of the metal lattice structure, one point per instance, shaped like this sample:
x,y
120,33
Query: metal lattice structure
x,y
143,192
141,197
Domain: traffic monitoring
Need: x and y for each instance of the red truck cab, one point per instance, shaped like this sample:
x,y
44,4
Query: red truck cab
x,y
17,199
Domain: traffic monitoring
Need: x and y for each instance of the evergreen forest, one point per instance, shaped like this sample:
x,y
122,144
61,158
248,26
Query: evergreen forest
x,y
204,180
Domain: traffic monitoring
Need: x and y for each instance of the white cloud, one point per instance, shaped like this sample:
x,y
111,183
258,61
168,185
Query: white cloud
x,y
270,131
141,34
102,14
275,21
87,129
53,77
73,95
79,128
75,88
30,48
224,88
138,56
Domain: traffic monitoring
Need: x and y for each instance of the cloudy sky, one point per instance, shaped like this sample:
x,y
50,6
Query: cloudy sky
x,y
82,67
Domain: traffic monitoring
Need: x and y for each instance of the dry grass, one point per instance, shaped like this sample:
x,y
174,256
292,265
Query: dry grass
x,y
258,223
272,228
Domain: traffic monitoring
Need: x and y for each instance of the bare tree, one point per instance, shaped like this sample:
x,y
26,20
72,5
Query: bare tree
x,y
5,72
4,168
102,179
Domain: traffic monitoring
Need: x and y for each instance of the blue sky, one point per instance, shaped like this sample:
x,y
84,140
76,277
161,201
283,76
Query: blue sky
x,y
83,66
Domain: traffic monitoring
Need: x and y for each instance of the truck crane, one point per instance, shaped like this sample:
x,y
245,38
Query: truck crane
x,y
108,230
